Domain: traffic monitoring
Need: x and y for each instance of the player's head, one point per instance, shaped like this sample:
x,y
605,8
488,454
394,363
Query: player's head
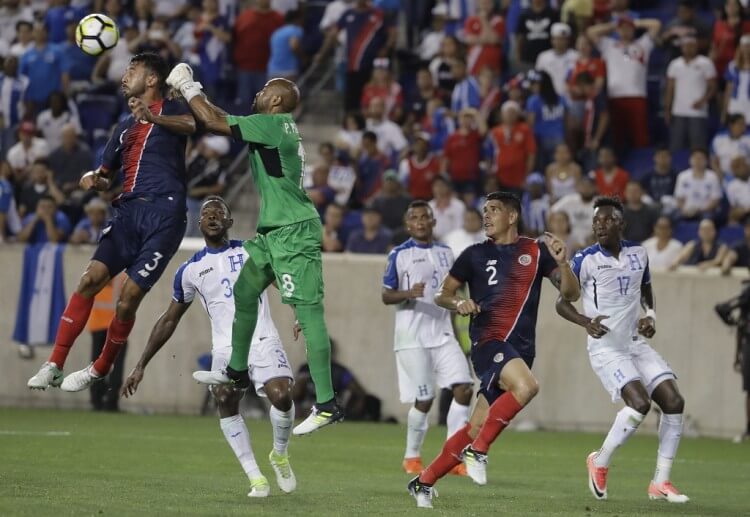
x,y
419,220
502,212
279,95
146,71
609,222
216,219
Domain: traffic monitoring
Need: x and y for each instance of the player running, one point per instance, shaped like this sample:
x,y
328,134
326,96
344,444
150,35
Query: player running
x,y
427,352
616,282
147,224
211,274
504,276
287,247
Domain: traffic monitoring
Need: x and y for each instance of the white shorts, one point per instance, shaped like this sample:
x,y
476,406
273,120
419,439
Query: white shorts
x,y
267,360
420,369
638,361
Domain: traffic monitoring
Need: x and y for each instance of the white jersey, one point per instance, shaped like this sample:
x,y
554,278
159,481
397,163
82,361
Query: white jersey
x,y
211,275
611,286
420,322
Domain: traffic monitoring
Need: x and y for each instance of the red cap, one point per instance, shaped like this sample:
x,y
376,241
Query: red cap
x,y
27,126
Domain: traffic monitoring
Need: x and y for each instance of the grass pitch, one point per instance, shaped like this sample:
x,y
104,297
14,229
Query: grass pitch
x,y
77,463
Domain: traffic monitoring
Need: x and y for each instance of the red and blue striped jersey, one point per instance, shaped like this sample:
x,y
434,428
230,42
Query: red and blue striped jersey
x,y
366,34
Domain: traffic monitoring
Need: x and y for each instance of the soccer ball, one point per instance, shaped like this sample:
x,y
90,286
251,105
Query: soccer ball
x,y
96,33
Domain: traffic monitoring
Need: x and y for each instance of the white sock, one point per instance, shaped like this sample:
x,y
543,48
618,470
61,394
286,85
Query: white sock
x,y
238,437
281,422
416,428
670,431
625,424
458,415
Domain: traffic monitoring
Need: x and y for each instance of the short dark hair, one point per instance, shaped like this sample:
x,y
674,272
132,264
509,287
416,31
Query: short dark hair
x,y
734,118
218,199
21,23
155,64
661,148
418,203
370,136
615,203
699,149
509,199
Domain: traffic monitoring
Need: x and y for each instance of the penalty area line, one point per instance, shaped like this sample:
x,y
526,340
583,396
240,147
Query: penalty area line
x,y
11,432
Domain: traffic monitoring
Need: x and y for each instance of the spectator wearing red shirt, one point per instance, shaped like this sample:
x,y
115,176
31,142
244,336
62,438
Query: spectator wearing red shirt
x,y
610,179
586,62
382,85
462,154
726,34
420,168
484,34
252,48
490,94
514,148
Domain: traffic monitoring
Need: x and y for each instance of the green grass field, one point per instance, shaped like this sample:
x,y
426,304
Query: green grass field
x,y
78,463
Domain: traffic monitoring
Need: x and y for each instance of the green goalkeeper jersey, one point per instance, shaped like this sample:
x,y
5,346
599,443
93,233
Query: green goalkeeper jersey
x,y
277,162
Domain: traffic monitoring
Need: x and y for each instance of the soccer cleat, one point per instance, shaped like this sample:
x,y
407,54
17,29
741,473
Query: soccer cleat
x,y
744,437
412,465
421,492
80,380
666,491
318,418
597,477
259,487
284,475
476,465
459,470
240,380
48,375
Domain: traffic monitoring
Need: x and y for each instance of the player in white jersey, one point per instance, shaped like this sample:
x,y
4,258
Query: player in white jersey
x,y
616,283
210,274
427,352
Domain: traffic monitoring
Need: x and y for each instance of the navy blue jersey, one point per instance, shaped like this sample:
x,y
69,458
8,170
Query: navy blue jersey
x,y
505,280
152,158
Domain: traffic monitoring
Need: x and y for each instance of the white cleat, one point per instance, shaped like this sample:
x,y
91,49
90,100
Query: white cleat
x,y
423,494
319,418
259,487
48,375
667,492
476,465
284,475
212,377
80,380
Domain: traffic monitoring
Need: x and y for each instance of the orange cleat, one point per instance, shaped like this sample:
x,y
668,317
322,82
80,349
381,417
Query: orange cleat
x,y
667,492
458,470
413,465
597,477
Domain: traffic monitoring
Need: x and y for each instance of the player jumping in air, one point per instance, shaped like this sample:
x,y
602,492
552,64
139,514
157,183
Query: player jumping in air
x,y
504,276
427,352
211,274
616,283
287,247
148,220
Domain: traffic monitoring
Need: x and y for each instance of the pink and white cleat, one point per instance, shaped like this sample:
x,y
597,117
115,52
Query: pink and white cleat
x,y
666,491
597,477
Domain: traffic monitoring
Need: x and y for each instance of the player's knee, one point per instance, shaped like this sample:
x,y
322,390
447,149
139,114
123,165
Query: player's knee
x,y
224,396
423,405
89,284
462,394
280,397
525,390
674,405
126,308
642,405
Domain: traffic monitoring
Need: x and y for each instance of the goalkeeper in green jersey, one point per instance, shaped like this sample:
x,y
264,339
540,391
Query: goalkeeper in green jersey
x,y
287,246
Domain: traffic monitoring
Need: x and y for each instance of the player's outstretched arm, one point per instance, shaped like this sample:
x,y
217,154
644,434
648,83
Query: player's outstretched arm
x,y
563,278
179,124
447,298
213,118
160,334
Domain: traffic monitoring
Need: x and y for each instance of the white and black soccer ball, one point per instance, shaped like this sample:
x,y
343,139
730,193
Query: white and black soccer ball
x,y
96,33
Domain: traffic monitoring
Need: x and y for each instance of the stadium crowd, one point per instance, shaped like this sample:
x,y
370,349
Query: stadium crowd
x,y
558,101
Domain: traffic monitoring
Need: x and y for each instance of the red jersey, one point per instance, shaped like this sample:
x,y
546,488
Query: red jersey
x,y
392,94
463,154
595,66
480,56
724,42
513,146
418,175
615,186
252,38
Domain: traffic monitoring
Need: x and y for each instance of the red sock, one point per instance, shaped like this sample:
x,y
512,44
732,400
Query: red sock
x,y
117,336
72,323
501,413
448,457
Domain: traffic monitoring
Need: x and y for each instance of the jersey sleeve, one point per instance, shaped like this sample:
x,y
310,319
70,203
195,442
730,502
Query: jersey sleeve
x,y
257,129
462,270
390,277
184,289
576,264
112,155
547,263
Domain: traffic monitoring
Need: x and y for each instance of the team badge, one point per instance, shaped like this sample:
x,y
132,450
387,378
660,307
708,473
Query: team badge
x,y
498,357
524,259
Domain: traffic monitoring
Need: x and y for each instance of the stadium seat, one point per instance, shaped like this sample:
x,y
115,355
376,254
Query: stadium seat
x,y
686,231
681,160
638,162
97,112
731,234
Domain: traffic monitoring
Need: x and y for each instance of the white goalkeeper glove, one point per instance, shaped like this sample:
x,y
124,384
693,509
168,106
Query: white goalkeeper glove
x,y
180,75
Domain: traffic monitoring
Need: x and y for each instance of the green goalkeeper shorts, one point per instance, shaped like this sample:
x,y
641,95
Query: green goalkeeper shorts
x,y
292,252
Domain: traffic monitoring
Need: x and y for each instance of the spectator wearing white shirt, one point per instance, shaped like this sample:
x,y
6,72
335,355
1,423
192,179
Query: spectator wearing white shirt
x,y
662,249
698,189
738,190
737,77
61,112
691,84
391,139
627,67
470,233
24,38
729,144
430,43
447,209
579,208
560,60
28,149
10,16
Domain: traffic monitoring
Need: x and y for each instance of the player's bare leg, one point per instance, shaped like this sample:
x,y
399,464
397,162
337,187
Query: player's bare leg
x,y
458,415
72,323
672,405
279,393
416,430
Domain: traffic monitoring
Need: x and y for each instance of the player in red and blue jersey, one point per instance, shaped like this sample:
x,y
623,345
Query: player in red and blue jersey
x,y
504,277
148,220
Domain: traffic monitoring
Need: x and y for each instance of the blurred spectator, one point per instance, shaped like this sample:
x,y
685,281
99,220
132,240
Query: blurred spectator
x,y
391,202
213,34
439,123
51,121
577,13
739,254
46,69
416,101
686,23
728,144
384,86
431,41
738,190
89,229
737,77
535,205
331,17
286,48
158,39
662,249
371,165
639,217
546,115
558,224
462,153
579,208
349,138
627,65
12,92
28,149
514,148
418,170
610,178
252,48
24,38
169,10
466,92
586,62
562,174
447,209
114,9
727,31
372,238
391,139
206,176
185,36
440,66
45,223
11,13
533,32
472,232
80,65
111,66
594,122
334,218
10,222
659,182
706,251
320,192
284,6
691,84
70,160
58,16
40,184
484,34
341,175
560,60
620,9
489,185
698,189
490,94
